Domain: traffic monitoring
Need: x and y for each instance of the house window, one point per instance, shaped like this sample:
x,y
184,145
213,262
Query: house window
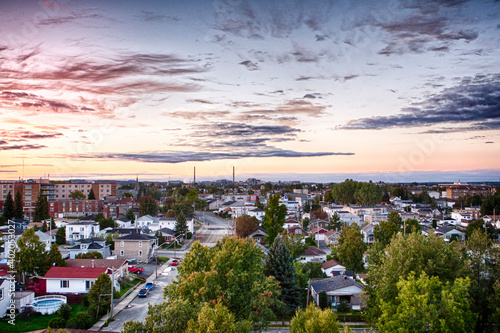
x,y
88,284
140,243
140,253
1,294
121,253
122,244
64,284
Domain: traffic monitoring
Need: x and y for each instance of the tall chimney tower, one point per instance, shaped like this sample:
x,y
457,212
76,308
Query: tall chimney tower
x,y
194,181
234,188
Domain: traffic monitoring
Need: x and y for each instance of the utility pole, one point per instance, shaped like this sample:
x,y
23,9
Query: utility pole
x,y
112,287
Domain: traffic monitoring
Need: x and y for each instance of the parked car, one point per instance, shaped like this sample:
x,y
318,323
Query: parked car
x,y
174,262
143,292
150,286
135,269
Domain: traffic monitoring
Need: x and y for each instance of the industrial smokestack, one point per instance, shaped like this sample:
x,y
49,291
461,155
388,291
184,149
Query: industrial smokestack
x,y
234,188
194,181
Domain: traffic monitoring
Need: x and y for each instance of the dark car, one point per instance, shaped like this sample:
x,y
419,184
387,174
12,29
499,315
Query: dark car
x,y
150,286
143,292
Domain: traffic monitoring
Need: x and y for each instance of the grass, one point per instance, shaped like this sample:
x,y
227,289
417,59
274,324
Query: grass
x,y
163,259
35,323
171,246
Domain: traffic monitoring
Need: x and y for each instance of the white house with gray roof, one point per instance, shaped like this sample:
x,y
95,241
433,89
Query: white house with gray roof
x,y
338,289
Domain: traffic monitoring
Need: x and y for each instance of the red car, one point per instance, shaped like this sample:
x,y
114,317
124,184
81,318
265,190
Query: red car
x,y
175,262
134,269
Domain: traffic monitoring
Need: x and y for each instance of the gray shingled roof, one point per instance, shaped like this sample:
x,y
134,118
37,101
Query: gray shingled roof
x,y
136,237
334,283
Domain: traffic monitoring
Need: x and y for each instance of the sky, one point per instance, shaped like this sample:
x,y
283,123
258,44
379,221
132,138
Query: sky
x,y
391,90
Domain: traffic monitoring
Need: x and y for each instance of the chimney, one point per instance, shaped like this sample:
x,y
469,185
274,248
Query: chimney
x,y
92,263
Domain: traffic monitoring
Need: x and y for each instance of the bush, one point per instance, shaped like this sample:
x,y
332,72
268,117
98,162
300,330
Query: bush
x,y
57,322
343,307
82,320
323,300
85,300
189,235
64,312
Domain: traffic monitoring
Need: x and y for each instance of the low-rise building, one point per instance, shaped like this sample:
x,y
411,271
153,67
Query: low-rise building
x,y
136,246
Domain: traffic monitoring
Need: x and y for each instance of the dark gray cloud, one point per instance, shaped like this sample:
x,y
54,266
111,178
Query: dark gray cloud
x,y
221,130
22,147
251,66
473,104
189,156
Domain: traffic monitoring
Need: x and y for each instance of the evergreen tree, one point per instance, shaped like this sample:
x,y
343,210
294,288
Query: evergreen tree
x,y
44,226
18,206
274,217
41,208
181,227
8,207
280,265
130,215
91,195
52,223
61,236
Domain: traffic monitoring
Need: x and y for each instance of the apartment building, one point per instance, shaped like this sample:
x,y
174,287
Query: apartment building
x,y
458,190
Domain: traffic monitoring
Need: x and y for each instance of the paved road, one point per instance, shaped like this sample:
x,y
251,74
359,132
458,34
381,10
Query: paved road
x,y
138,308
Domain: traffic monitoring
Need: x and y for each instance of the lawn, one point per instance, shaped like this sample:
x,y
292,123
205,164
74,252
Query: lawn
x,y
171,245
35,323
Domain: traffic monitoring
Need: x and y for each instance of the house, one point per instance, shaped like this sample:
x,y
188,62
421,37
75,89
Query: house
x,y
81,230
367,233
18,223
119,266
123,223
44,238
52,234
318,223
72,280
257,213
291,223
90,245
338,289
318,233
331,266
313,254
332,237
447,233
167,234
349,218
9,237
145,221
258,235
136,246
296,230
6,285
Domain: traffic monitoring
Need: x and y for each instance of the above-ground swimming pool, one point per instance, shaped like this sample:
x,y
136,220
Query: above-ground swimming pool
x,y
48,304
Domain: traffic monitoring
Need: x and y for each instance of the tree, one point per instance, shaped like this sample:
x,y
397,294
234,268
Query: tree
x,y
31,253
181,227
314,320
405,254
482,258
110,240
130,214
18,206
385,231
425,304
218,318
44,226
279,264
41,208
232,272
61,236
245,225
395,218
351,248
274,217
295,243
91,195
368,194
148,206
52,223
8,207
127,195
170,213
77,195
411,225
99,295
494,300
335,222
89,255
54,257
167,317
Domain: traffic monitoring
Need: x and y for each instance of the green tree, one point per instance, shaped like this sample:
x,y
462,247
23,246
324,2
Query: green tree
x,y
41,208
295,243
279,264
192,195
368,194
127,195
351,248
274,217
130,215
181,227
91,195
425,304
232,272
52,223
99,295
61,236
89,255
314,320
167,317
44,226
385,231
245,225
411,225
494,300
218,318
77,195
18,206
8,207
53,258
395,218
482,258
31,255
148,206
110,240
335,222
405,254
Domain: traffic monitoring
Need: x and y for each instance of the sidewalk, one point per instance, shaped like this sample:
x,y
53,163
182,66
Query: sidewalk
x,y
126,301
